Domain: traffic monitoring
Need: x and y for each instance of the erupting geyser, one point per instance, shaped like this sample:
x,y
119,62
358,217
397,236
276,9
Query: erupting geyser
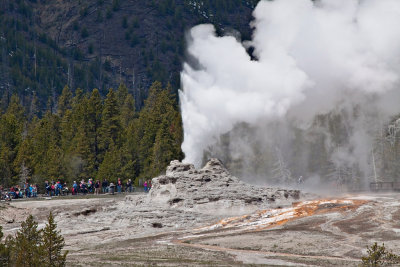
x,y
312,58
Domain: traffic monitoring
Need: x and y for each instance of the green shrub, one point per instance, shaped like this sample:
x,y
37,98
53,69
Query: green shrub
x,y
33,247
379,256
4,252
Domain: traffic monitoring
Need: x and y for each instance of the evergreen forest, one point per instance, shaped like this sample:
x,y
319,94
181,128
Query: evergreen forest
x,y
87,136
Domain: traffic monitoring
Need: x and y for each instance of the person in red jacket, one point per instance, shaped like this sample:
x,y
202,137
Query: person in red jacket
x,y
119,185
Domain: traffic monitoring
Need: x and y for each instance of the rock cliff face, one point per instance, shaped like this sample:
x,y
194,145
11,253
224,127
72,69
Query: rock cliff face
x,y
213,189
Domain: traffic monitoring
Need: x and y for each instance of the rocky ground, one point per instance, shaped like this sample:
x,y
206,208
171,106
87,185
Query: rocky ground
x,y
208,218
214,190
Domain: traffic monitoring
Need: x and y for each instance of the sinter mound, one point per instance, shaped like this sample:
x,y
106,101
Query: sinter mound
x,y
213,189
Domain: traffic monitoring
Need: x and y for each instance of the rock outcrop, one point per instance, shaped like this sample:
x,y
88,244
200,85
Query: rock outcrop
x,y
213,189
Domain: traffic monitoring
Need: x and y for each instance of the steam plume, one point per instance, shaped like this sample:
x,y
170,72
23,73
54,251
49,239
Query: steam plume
x,y
311,58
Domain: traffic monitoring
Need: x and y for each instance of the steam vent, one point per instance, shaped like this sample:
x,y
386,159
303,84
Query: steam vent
x,y
213,189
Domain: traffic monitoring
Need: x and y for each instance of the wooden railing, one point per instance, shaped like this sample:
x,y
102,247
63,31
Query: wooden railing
x,y
385,186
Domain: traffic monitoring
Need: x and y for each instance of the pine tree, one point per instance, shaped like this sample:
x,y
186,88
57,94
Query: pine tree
x,y
55,163
122,93
85,160
6,173
11,128
26,246
79,96
92,126
128,164
127,111
176,130
163,149
52,245
16,108
379,256
4,252
110,124
150,119
47,155
160,116
64,101
4,101
34,107
131,147
111,166
24,156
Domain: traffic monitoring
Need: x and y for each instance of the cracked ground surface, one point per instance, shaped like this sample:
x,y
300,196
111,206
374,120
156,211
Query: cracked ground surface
x,y
127,231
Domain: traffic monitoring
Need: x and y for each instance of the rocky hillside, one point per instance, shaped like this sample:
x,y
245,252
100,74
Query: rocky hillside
x,y
46,45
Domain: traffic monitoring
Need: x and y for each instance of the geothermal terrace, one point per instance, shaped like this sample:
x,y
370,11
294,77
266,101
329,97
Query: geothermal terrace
x,y
205,216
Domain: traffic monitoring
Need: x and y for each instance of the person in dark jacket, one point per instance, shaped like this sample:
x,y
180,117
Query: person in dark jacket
x,y
104,186
128,186
97,187
47,187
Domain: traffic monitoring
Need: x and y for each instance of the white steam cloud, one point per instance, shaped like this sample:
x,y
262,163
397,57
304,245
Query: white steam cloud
x,y
311,58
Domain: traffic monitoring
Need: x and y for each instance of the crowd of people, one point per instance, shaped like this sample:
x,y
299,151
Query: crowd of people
x,y
60,189
27,191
